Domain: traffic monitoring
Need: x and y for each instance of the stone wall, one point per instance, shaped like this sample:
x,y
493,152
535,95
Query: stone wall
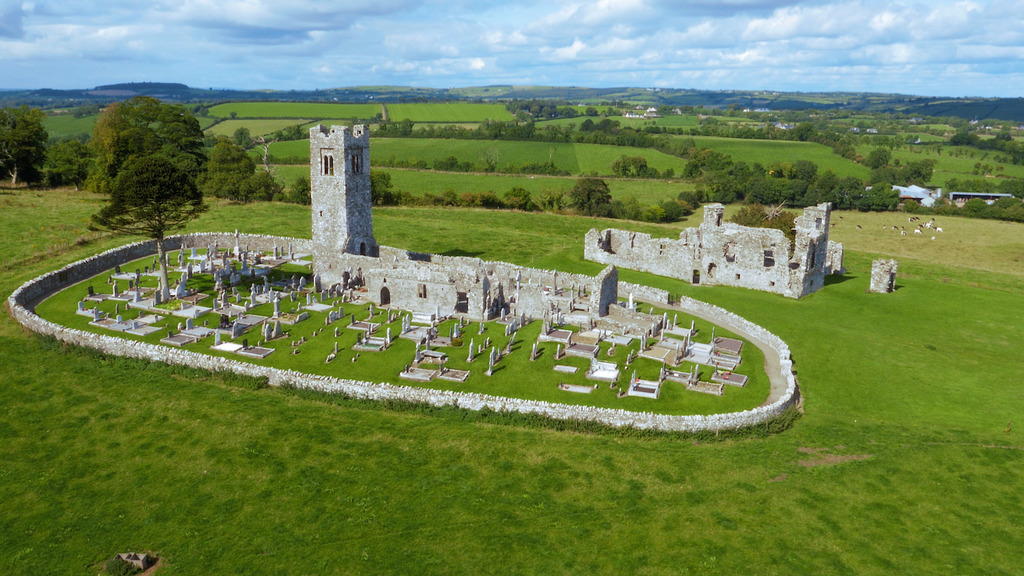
x,y
719,253
21,304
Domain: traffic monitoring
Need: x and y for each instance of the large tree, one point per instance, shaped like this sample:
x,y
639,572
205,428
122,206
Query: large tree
x,y
22,143
226,171
151,197
144,126
67,164
591,196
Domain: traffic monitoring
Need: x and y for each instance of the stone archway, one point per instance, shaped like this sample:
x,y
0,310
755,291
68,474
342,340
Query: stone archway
x,y
385,296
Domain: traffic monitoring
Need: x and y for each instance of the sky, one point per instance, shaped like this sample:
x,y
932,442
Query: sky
x,y
930,48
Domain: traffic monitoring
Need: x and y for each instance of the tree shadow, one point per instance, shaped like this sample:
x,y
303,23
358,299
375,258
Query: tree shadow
x,y
458,252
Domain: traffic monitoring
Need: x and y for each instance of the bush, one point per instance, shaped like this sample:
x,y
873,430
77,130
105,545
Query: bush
x,y
118,567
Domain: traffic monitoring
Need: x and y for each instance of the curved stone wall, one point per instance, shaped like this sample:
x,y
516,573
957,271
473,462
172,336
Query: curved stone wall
x,y
22,302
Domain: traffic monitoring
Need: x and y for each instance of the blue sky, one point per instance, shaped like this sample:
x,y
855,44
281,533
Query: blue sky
x,y
938,47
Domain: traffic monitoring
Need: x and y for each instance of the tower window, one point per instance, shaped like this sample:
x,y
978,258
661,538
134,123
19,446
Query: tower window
x,y
357,162
327,162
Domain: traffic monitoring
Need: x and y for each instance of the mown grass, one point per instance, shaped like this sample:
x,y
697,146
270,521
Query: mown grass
x,y
515,376
907,459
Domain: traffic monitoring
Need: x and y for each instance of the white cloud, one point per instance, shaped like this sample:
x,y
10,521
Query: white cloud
x,y
771,44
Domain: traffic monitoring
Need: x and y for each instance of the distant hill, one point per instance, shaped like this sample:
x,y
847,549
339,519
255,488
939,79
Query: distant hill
x,y
971,108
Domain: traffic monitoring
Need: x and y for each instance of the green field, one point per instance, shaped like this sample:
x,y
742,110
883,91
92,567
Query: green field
x,y
256,126
66,125
573,158
767,152
955,162
907,460
295,110
418,183
448,112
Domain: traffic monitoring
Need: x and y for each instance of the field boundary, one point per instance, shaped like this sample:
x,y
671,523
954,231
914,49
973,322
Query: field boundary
x,y
21,306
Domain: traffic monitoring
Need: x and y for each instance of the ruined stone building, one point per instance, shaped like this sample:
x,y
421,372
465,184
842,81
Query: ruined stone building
x,y
719,253
346,253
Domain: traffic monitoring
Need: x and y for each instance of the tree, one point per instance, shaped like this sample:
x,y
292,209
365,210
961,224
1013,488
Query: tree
x,y
242,137
144,126
760,216
879,157
22,143
67,164
591,196
299,191
151,197
381,192
227,171
519,199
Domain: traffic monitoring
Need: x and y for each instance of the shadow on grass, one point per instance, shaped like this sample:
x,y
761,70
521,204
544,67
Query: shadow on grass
x,y
458,252
837,279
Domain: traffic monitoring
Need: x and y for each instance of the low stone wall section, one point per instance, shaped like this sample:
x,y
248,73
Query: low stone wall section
x,y
21,305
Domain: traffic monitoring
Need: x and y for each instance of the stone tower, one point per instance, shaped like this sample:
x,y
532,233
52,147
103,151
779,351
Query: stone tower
x,y
339,177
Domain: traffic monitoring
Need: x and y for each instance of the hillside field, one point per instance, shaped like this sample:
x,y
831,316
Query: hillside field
x,y
907,459
294,110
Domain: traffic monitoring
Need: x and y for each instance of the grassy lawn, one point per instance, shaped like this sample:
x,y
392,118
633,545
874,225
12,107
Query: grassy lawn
x,y
906,461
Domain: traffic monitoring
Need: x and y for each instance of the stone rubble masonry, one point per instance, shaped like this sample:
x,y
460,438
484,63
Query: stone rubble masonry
x,y
21,306
339,175
883,276
719,253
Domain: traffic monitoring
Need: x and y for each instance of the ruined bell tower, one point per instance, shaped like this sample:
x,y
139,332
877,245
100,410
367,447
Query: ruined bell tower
x,y
339,178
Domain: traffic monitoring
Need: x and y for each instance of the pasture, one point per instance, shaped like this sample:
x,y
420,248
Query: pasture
x,y
447,112
908,457
256,126
767,152
295,110
67,126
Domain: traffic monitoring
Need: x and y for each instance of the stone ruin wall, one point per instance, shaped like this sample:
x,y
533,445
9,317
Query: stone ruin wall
x,y
21,307
883,276
719,253
485,284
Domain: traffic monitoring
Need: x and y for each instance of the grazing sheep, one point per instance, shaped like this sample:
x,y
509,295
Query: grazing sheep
x,y
903,232
858,226
917,231
937,229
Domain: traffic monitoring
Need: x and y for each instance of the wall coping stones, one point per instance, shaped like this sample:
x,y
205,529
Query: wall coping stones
x,y
21,305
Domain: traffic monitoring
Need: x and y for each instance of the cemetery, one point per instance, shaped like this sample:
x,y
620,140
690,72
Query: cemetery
x,y
341,313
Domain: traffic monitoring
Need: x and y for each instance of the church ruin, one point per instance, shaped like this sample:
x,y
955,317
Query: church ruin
x,y
719,253
345,253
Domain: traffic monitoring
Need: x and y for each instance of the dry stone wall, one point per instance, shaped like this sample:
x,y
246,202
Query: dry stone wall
x,y
21,306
